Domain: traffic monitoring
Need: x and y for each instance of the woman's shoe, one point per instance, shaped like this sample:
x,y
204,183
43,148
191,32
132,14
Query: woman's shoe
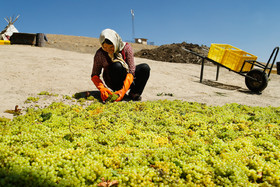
x,y
135,97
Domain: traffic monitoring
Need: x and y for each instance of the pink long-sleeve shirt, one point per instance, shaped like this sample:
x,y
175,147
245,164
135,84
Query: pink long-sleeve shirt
x,y
102,61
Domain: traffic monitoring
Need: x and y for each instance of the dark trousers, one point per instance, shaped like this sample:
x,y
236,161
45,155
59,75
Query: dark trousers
x,y
118,74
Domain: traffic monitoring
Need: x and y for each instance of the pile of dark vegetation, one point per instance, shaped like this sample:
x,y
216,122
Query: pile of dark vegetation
x,y
175,53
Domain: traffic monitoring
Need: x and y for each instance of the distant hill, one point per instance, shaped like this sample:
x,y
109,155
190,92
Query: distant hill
x,y
83,44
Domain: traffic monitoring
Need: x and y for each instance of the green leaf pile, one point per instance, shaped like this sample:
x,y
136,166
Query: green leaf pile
x,y
153,143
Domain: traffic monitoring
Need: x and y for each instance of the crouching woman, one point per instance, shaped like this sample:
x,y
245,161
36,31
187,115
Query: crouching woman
x,y
120,74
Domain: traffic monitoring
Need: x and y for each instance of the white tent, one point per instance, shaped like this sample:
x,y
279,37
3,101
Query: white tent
x,y
9,29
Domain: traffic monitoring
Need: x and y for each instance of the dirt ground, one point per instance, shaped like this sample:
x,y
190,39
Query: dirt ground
x,y
64,67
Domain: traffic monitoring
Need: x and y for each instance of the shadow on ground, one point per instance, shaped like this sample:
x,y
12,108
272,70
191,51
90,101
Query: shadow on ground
x,y
221,85
228,87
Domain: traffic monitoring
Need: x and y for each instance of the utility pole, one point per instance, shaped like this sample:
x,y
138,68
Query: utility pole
x,y
133,32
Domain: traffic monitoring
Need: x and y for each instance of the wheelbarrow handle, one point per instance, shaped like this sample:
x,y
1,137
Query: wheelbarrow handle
x,y
193,52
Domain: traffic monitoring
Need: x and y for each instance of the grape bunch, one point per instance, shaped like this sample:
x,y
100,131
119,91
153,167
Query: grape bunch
x,y
112,97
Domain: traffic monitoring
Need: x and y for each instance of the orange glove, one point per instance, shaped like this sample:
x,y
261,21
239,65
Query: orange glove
x,y
104,92
126,85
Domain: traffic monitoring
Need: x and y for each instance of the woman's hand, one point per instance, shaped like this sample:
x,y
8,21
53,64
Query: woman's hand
x,y
104,93
126,85
121,94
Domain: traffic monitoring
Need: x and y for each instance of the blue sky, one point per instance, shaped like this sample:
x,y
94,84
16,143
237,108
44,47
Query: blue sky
x,y
251,25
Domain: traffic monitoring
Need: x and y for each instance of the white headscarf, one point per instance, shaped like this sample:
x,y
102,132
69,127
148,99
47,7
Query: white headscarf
x,y
118,45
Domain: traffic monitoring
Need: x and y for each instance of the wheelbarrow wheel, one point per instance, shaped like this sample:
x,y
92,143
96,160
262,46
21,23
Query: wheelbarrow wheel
x,y
256,80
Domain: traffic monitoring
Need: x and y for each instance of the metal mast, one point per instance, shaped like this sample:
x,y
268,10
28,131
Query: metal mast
x,y
133,31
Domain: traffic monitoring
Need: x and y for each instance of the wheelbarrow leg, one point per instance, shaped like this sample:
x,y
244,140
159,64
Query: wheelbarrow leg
x,y
218,70
202,68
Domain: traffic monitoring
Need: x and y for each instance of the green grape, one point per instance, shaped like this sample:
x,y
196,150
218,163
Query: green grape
x,y
112,97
